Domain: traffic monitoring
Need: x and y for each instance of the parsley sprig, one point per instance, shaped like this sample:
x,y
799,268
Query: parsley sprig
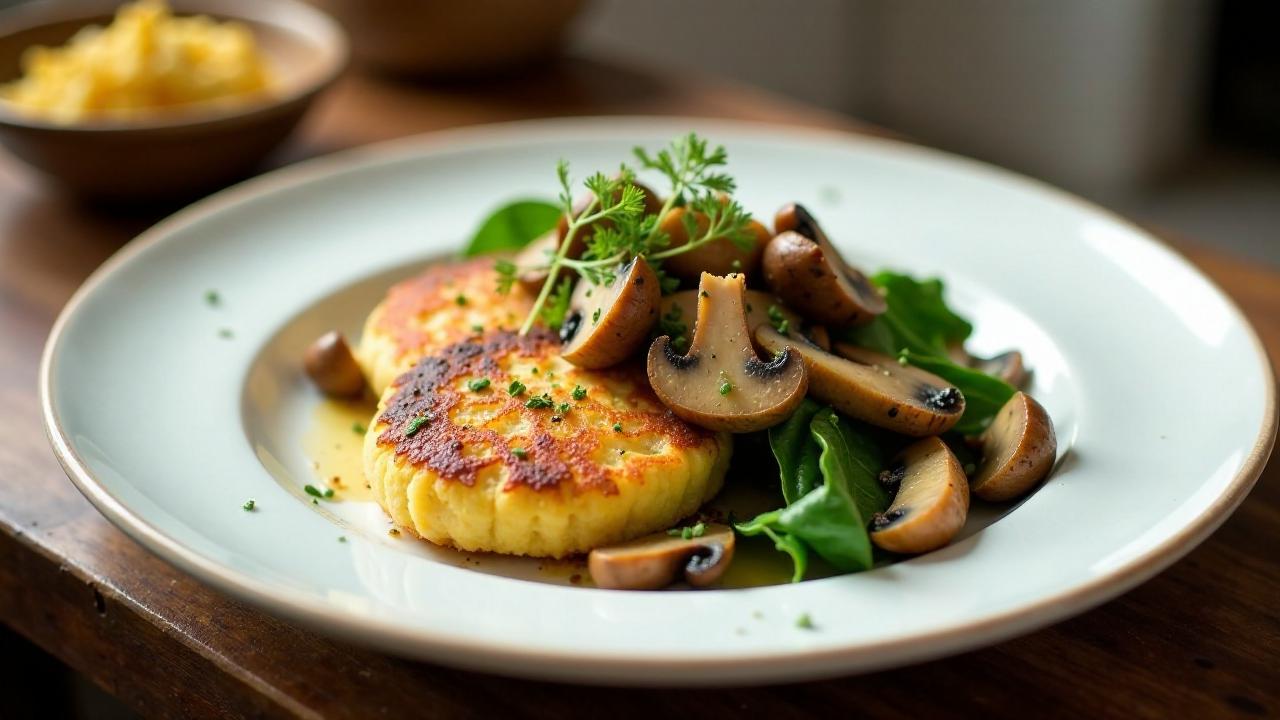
x,y
621,229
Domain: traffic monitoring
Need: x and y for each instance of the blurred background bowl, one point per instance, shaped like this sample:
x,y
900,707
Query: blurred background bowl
x,y
178,153
452,38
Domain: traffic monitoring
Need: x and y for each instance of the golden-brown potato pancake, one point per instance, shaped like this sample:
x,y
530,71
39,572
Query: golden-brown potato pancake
x,y
446,303
481,470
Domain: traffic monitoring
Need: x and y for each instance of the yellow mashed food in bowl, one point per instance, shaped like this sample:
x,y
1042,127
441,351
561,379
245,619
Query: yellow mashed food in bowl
x,y
147,59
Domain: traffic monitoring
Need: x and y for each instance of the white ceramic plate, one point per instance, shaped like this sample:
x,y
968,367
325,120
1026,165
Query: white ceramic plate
x,y
1158,387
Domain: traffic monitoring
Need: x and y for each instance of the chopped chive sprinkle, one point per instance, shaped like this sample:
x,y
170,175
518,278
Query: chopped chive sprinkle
x,y
902,360
595,316
539,402
342,538
328,492
516,388
520,453
314,491
415,425
699,529
562,408
477,329
804,622
358,429
617,427
461,299
579,392
478,384
212,298
249,505
778,320
225,333
726,387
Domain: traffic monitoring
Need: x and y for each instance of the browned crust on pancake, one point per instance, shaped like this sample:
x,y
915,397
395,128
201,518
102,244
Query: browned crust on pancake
x,y
422,295
429,390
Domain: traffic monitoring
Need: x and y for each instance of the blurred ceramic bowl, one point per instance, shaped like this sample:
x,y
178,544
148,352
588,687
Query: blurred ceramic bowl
x,y
448,38
174,153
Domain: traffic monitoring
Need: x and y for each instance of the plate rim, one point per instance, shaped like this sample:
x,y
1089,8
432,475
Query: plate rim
x,y
607,666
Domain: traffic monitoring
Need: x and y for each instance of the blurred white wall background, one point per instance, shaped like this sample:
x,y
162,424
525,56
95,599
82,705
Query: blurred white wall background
x,y
1103,97
1094,95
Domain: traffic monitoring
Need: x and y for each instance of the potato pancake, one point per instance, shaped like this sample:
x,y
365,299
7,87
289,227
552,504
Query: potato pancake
x,y
446,303
496,443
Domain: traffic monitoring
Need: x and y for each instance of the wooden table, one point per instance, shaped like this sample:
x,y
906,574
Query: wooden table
x,y
1200,640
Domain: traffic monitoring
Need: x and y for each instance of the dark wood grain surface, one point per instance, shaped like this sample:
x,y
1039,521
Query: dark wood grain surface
x,y
1200,640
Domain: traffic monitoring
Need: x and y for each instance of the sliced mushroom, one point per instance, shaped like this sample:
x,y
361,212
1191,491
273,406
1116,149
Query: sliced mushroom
x,y
332,367
802,267
607,323
1018,450
537,252
721,384
931,503
874,388
681,309
1007,366
655,561
718,257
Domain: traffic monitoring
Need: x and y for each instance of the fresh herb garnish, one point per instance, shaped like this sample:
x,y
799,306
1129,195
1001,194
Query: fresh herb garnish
x,y
520,453
415,425
212,298
225,333
358,429
778,320
620,228
726,387
249,505
478,384
579,392
689,532
540,402
617,427
804,622
516,388
316,492
562,408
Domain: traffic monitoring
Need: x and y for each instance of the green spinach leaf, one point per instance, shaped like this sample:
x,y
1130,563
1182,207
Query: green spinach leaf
x,y
513,226
918,327
832,518
796,452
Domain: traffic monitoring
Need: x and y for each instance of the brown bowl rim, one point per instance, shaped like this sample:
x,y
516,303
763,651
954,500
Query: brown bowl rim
x,y
332,40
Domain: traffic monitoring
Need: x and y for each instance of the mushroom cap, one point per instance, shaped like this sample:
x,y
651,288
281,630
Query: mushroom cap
x,y
803,268
655,561
1018,450
875,388
717,257
931,503
332,367
720,383
606,324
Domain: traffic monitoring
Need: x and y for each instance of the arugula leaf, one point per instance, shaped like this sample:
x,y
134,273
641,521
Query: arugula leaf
x,y
796,452
831,519
513,226
918,327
